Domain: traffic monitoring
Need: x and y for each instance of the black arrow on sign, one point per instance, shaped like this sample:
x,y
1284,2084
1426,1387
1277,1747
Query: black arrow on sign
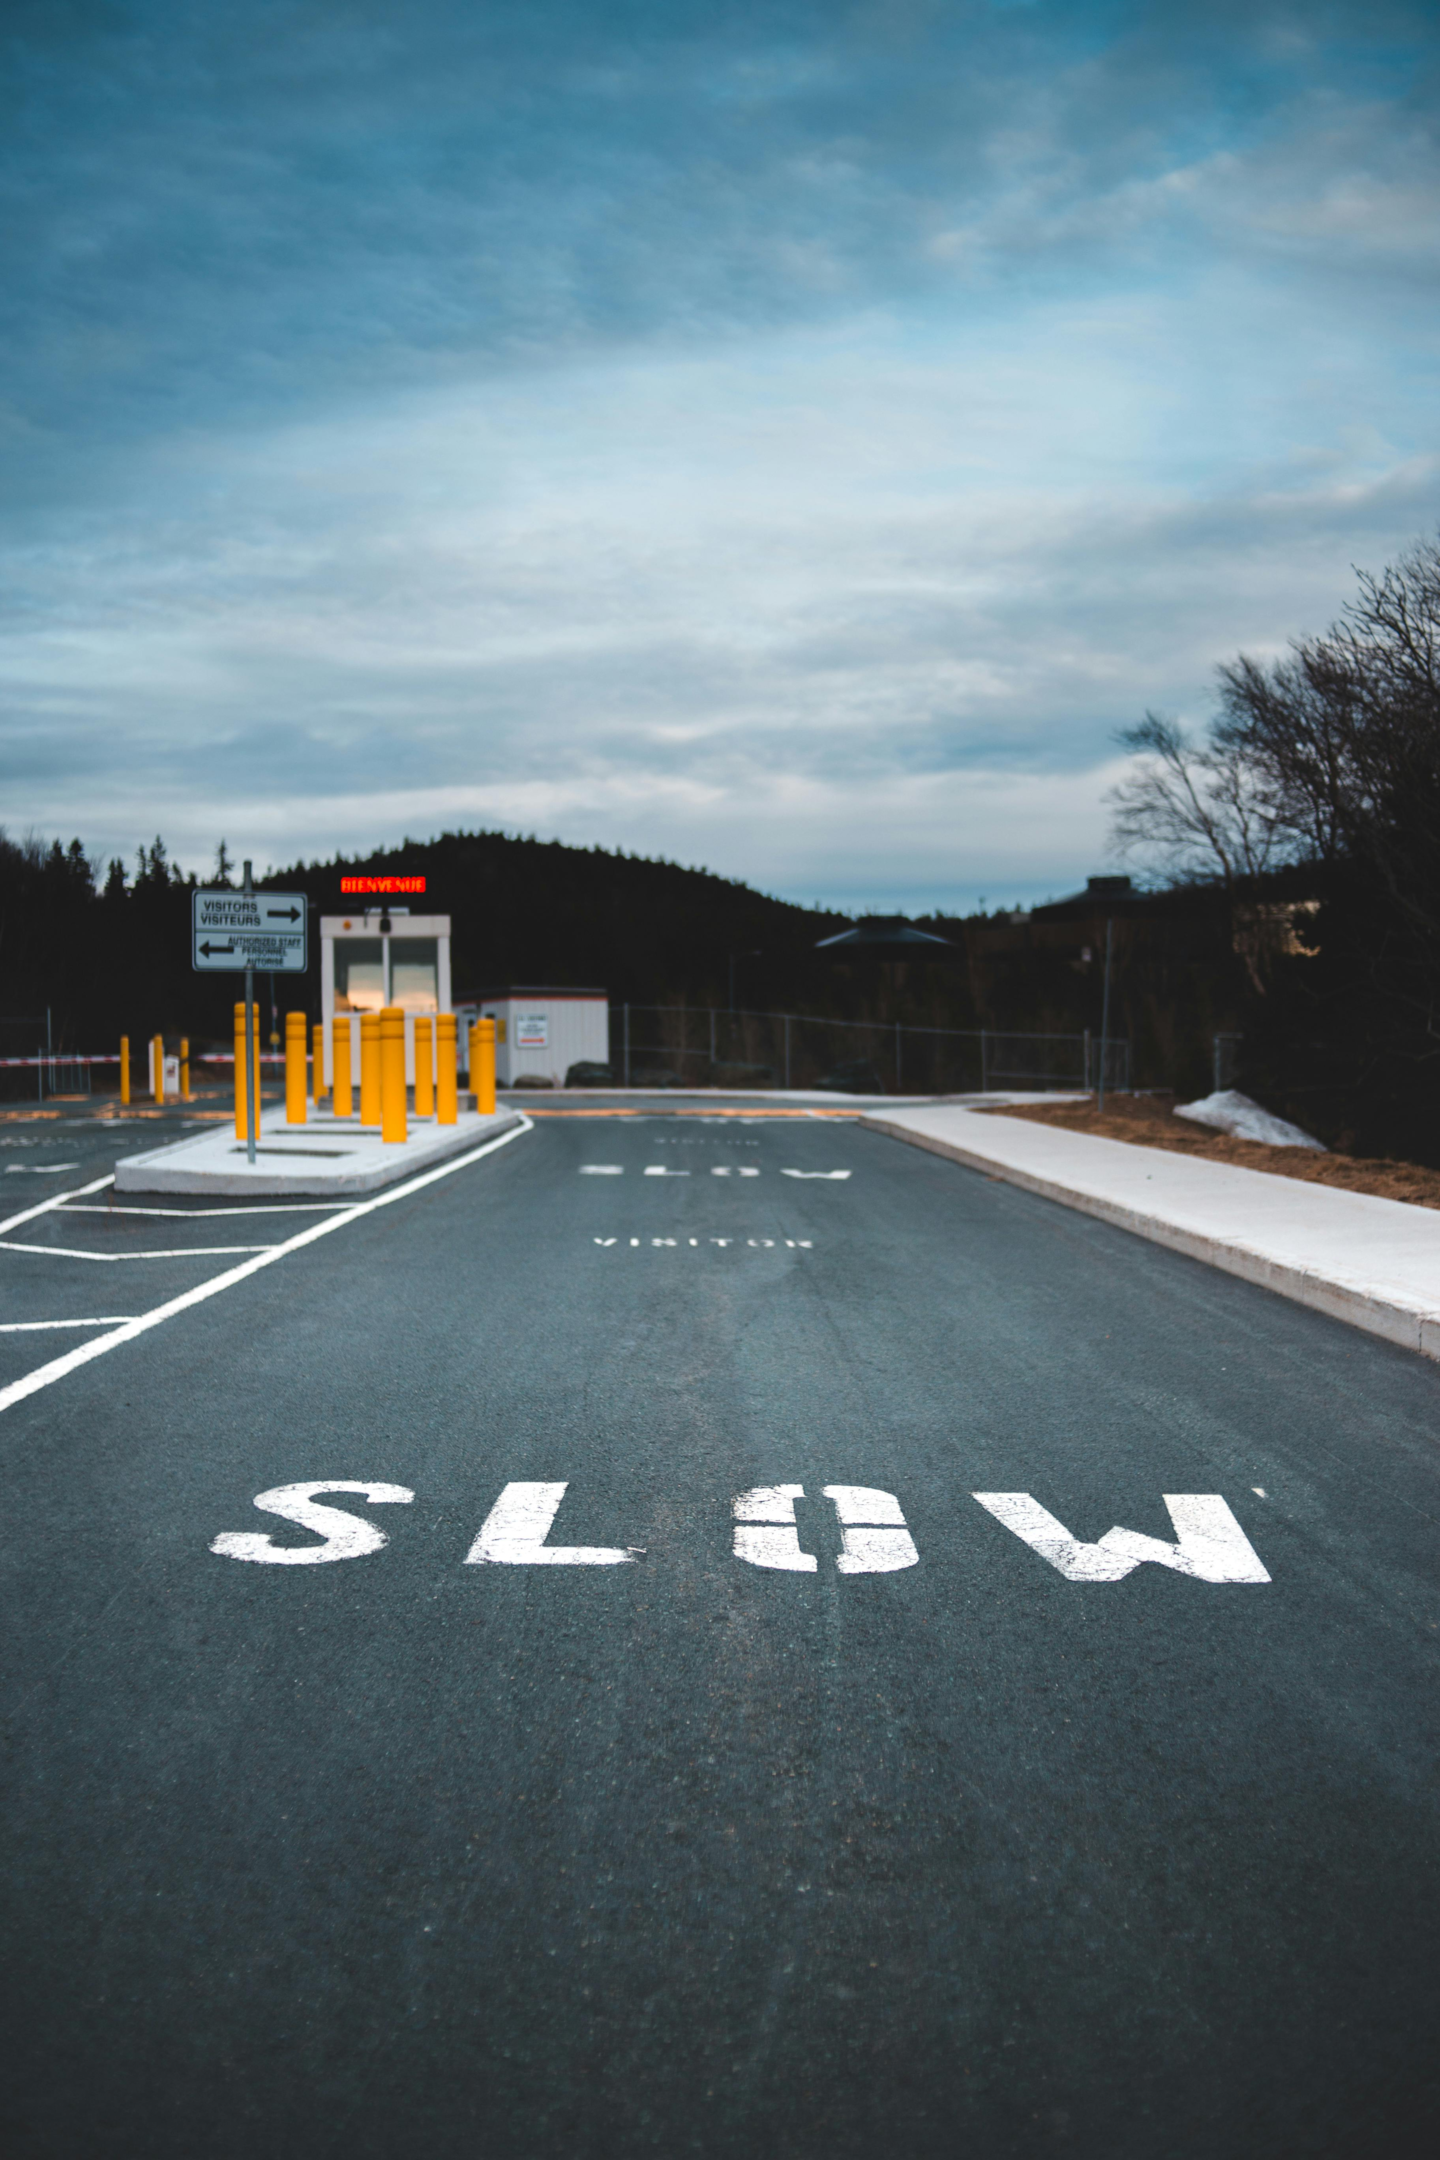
x,y
207,948
285,914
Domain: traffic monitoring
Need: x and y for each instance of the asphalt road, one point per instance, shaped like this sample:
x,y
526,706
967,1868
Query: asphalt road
x,y
399,1854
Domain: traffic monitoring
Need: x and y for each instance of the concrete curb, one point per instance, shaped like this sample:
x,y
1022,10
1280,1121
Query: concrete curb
x,y
1414,1324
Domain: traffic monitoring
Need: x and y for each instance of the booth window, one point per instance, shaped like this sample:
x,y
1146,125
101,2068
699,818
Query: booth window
x,y
415,974
359,975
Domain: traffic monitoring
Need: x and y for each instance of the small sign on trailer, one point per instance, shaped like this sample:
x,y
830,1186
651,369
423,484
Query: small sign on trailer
x,y
236,930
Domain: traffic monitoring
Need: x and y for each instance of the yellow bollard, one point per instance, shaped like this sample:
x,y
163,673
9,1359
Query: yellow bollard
x,y
482,1066
295,1068
317,1076
157,1058
424,1066
241,1115
370,1068
393,1123
447,1096
185,1095
124,1068
341,1104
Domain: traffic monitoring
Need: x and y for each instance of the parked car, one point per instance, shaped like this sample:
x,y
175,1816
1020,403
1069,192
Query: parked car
x,y
858,1077
589,1074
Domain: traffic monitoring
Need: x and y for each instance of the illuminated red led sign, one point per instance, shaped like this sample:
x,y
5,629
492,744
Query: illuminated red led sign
x,y
382,884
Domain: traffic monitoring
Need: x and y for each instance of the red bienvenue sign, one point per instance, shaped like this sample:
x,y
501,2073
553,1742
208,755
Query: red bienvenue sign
x,y
382,884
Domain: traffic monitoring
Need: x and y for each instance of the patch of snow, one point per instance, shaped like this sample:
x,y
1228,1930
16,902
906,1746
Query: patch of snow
x,y
1232,1112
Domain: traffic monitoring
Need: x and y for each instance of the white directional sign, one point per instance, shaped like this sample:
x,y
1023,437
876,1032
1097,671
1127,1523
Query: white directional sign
x,y
255,930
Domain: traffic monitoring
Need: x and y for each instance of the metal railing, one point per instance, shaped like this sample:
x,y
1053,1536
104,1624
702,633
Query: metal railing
x,y
705,1046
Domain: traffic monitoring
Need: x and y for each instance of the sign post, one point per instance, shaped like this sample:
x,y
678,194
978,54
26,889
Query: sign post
x,y
231,931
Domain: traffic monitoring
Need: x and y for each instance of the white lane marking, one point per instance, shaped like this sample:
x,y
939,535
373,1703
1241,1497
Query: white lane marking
x,y
869,1550
602,1169
32,1327
765,1531
347,1537
513,1534
662,1170
1260,1490
732,1170
46,1375
56,1200
38,1169
195,1214
815,1173
181,1252
1210,1543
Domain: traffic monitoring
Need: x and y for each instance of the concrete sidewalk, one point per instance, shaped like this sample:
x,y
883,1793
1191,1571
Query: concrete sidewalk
x,y
1372,1262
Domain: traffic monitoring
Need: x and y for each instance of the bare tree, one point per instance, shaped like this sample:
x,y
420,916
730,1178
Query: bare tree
x,y
1199,810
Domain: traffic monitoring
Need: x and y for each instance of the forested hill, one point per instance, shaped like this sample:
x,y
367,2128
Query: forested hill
x,y
114,956
534,911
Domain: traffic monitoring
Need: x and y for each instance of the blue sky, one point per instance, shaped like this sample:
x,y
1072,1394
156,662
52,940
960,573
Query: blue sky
x,y
786,438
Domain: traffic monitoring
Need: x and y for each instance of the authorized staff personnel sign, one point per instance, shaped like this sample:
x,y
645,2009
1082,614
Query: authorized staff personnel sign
x,y
250,930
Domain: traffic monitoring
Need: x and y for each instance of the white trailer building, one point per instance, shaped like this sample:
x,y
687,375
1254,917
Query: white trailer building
x,y
542,1032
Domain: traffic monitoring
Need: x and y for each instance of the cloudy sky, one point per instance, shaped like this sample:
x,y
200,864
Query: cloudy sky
x,y
790,438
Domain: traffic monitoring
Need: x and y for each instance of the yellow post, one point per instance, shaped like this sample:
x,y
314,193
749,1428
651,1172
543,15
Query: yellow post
x,y
295,1068
447,1099
241,1116
317,1078
370,1068
157,1053
424,1066
482,1066
342,1104
124,1068
185,1095
393,1123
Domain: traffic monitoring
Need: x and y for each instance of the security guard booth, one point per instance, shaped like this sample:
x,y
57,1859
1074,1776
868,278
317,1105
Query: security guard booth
x,y
383,956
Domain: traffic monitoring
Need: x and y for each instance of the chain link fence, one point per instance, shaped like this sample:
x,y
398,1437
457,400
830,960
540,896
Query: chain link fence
x,y
703,1046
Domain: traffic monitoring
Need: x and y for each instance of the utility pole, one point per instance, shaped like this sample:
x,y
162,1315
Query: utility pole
x,y
251,1090
1105,1015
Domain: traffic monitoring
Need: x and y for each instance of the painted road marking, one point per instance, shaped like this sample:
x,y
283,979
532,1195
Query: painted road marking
x,y
874,1537
760,1244
871,1550
815,1173
602,1169
514,1532
31,1327
662,1170
38,1169
733,1170
183,1252
56,1200
1210,1543
184,1214
765,1530
346,1536
58,1368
